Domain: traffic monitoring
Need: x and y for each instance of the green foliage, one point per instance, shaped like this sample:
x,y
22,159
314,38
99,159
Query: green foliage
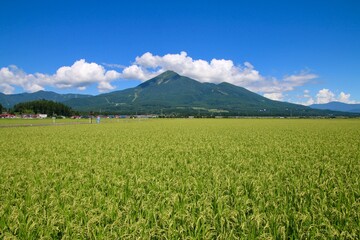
x,y
12,99
173,94
1,108
44,107
182,179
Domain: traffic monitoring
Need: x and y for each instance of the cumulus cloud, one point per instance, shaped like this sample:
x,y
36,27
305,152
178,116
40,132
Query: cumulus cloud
x,y
13,76
325,96
215,71
343,97
6,88
139,73
79,75
82,74
274,96
105,87
275,88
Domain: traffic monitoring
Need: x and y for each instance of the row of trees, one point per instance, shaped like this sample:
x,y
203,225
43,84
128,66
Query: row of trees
x,y
43,106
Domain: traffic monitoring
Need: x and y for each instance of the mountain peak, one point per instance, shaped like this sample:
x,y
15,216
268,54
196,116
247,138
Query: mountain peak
x,y
176,94
162,78
168,74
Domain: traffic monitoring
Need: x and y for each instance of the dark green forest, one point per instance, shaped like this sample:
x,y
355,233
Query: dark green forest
x,y
43,107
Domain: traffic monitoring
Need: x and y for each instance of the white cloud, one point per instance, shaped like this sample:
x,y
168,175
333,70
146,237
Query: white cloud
x,y
325,96
105,87
215,71
82,74
6,88
310,101
13,76
113,65
301,78
79,75
307,96
345,98
274,96
137,72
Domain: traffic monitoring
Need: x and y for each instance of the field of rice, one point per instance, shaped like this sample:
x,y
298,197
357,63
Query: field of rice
x,y
182,179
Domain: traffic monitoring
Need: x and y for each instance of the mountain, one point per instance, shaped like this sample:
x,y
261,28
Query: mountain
x,y
10,100
338,106
171,93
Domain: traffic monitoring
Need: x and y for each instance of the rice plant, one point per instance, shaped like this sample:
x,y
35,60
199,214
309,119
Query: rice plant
x,y
182,179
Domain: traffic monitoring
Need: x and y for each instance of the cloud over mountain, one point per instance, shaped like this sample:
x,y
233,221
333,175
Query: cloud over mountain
x,y
215,71
82,74
325,96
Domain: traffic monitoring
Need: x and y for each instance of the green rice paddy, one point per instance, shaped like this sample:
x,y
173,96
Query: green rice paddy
x,y
182,179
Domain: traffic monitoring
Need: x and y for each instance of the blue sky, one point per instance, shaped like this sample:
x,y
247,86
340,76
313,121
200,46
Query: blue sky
x,y
297,51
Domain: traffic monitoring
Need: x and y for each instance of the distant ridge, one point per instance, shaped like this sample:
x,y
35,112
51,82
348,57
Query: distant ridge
x,y
172,94
10,100
338,106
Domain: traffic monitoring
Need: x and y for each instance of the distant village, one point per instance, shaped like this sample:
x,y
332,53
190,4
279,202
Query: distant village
x,y
44,116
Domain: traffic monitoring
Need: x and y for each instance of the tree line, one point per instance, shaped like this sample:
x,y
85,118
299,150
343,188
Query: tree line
x,y
43,107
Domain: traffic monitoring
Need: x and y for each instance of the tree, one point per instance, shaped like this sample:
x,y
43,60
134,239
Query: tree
x,y
45,107
1,108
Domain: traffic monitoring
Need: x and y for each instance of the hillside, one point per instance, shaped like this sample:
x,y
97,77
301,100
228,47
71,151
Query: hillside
x,y
10,100
338,106
171,93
